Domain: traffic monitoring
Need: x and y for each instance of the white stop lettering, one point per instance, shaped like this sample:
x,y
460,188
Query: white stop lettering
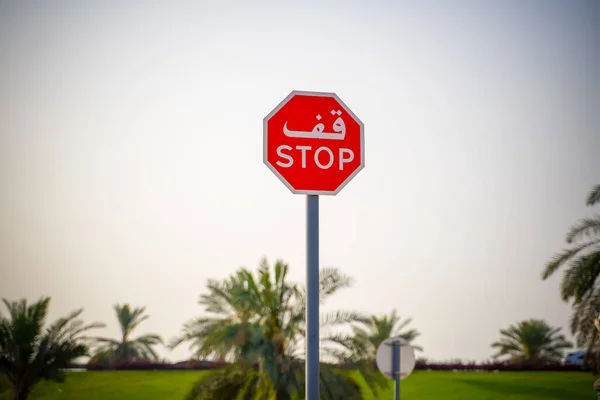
x,y
344,156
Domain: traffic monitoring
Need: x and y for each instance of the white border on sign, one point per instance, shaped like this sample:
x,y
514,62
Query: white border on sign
x,y
347,109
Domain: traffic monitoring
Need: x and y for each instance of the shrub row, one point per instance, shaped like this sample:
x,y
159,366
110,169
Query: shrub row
x,y
146,365
495,366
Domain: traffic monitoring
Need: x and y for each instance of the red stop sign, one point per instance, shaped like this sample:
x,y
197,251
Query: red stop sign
x,y
313,143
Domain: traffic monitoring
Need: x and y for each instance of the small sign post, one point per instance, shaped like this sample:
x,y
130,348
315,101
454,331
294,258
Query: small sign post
x,y
396,368
396,360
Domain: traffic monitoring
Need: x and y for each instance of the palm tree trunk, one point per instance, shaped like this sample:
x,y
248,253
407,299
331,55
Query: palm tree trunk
x,y
20,394
282,395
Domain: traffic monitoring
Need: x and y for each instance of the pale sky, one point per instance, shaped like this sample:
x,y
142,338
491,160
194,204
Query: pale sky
x,y
131,154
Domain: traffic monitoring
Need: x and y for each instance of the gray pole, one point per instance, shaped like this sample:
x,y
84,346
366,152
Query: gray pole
x,y
312,297
396,368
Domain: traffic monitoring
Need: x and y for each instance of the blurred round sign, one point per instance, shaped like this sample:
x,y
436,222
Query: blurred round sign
x,y
385,353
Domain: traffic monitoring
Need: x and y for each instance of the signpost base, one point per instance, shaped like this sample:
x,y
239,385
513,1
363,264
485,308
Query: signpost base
x,y
312,298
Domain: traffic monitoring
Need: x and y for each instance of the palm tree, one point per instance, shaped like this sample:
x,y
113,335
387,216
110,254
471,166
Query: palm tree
x,y
217,336
580,283
30,353
235,305
371,332
531,341
126,348
258,321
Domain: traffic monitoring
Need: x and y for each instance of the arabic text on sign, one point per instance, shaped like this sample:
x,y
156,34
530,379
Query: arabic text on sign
x,y
339,127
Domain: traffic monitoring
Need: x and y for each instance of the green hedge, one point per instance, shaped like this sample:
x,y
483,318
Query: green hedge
x,y
4,388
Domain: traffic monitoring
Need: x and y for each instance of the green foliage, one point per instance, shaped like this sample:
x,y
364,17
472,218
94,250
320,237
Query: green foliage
x,y
580,284
127,349
5,387
257,319
369,333
30,353
232,382
531,341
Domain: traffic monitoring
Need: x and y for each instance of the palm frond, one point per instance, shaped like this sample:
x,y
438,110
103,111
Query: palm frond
x,y
403,325
584,316
585,228
559,259
409,336
342,317
331,280
593,196
107,341
148,339
581,277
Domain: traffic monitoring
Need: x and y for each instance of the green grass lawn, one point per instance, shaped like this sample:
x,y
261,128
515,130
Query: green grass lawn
x,y
421,385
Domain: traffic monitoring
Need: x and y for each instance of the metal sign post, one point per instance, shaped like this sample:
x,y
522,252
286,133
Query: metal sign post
x,y
396,367
312,297
395,359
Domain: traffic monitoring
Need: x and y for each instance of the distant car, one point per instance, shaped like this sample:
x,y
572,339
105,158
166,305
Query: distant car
x,y
575,358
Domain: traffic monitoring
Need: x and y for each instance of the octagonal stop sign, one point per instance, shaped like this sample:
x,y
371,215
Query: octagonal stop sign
x,y
313,143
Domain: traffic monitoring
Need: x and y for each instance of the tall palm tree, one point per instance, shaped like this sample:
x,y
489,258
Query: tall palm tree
x,y
371,332
531,341
580,283
258,321
30,353
127,348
